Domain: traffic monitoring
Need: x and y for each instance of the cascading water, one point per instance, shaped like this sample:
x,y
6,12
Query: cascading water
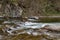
x,y
16,27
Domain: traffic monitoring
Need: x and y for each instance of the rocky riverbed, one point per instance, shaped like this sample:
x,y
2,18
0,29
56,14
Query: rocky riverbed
x,y
17,30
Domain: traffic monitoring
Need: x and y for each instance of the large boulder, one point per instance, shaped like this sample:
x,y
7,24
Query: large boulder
x,y
51,27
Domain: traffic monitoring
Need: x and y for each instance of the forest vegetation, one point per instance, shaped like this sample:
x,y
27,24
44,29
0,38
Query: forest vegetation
x,y
30,7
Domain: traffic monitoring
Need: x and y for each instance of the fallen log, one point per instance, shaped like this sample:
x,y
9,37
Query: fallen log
x,y
40,19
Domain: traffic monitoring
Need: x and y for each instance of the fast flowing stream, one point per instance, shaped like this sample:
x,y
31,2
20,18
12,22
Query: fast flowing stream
x,y
10,29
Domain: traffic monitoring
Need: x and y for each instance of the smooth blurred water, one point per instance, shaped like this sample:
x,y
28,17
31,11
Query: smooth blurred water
x,y
37,25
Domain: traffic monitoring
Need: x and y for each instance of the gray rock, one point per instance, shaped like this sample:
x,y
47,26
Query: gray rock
x,y
51,27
